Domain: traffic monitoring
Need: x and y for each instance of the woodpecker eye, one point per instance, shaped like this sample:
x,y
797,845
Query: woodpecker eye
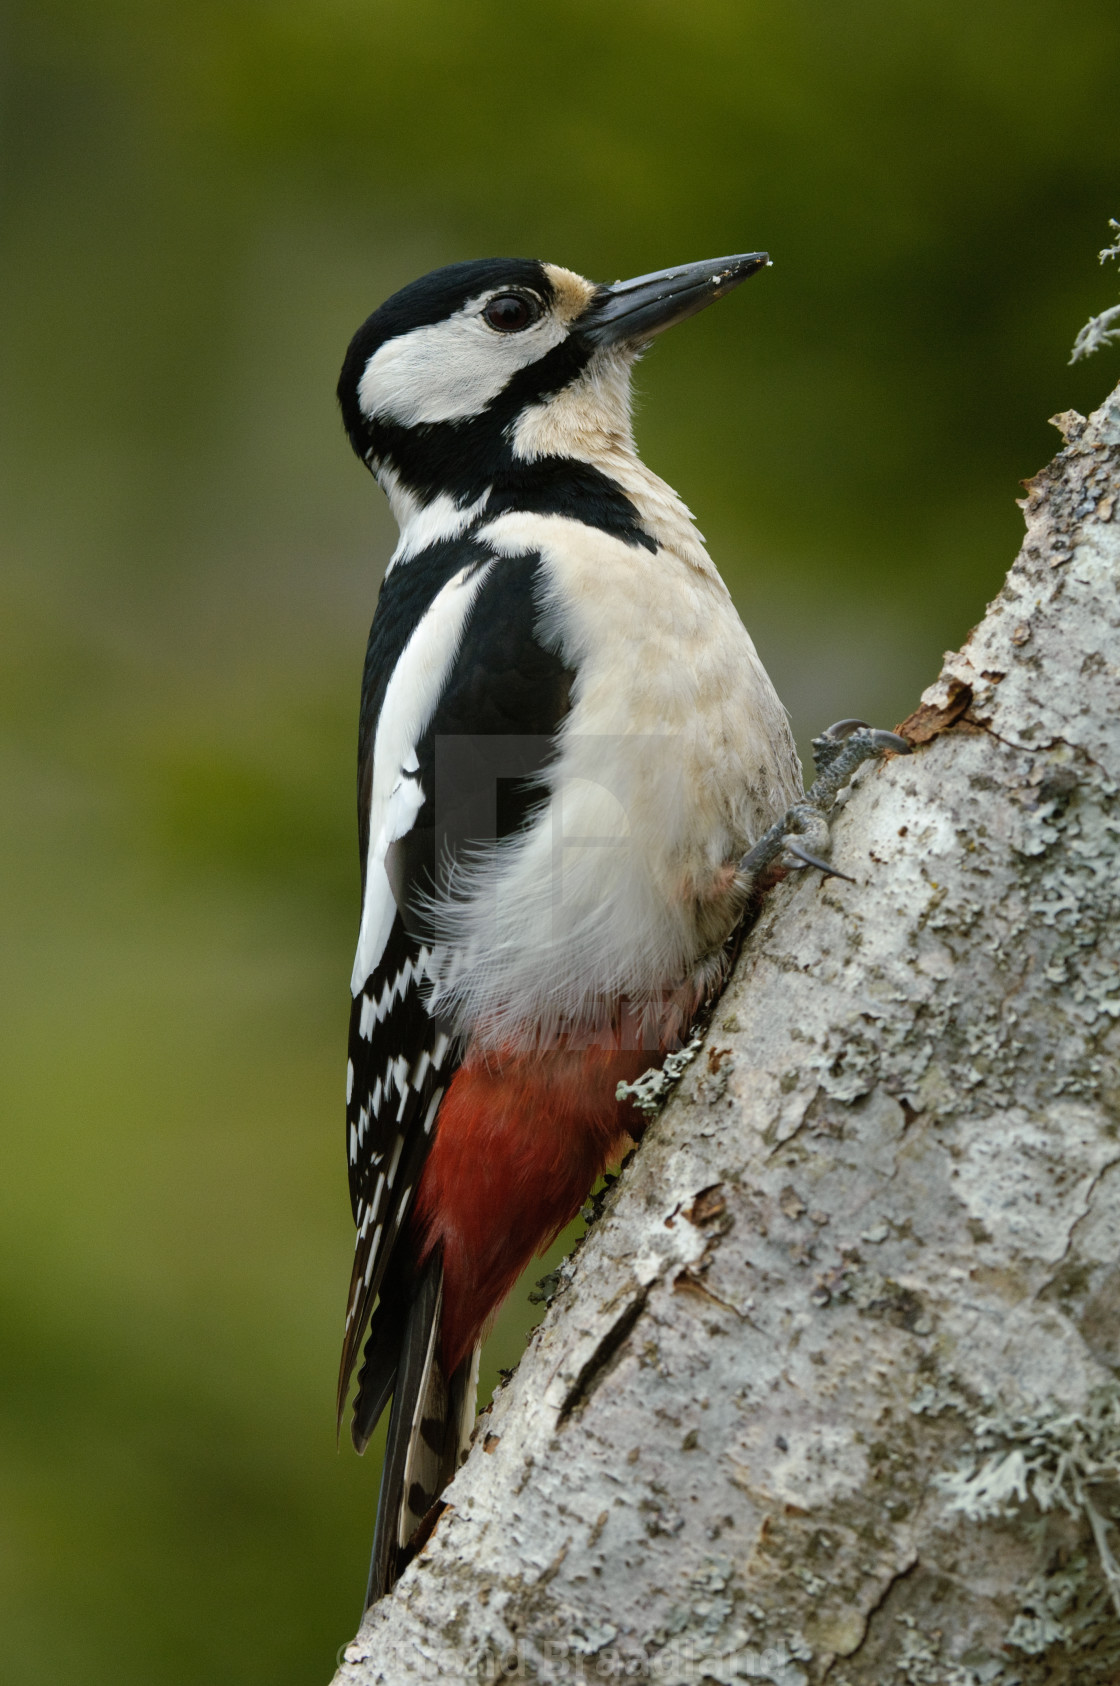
x,y
510,312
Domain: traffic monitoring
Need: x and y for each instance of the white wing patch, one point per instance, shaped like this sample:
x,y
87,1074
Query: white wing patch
x,y
397,797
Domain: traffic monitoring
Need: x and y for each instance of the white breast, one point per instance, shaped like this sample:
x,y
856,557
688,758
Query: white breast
x,y
676,754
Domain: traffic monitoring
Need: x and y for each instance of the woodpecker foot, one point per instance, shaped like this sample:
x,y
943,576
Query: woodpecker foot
x,y
801,837
846,745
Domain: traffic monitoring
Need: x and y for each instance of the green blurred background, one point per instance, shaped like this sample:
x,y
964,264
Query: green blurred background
x,y
200,202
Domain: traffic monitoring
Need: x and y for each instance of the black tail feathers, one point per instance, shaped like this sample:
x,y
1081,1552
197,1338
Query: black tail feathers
x,y
429,1424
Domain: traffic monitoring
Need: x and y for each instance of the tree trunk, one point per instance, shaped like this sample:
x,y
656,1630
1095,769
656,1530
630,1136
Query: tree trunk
x,y
831,1391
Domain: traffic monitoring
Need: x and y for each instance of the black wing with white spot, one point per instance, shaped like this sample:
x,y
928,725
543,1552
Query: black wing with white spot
x,y
454,660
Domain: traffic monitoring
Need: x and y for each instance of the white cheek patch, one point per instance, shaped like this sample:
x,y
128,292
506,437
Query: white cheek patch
x,y
450,370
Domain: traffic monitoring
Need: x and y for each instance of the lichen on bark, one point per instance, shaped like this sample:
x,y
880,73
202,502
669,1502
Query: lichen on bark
x,y
872,1241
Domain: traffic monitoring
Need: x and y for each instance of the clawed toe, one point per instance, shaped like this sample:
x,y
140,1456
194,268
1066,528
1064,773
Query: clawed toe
x,y
838,753
806,859
885,741
842,728
844,747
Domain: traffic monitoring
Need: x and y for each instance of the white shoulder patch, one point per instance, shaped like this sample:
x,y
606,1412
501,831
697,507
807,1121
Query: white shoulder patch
x,y
397,797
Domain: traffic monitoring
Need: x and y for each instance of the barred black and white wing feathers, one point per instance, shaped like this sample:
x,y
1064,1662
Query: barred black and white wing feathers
x,y
461,705
400,1063
400,1059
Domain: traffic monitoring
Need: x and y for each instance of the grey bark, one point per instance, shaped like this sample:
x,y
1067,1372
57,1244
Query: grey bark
x,y
831,1390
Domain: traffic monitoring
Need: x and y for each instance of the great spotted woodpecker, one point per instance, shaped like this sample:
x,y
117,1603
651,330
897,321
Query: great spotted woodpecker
x,y
568,746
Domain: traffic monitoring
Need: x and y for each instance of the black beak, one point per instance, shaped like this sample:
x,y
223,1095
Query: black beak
x,y
638,309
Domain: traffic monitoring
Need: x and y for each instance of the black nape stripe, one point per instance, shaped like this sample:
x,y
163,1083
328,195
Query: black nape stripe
x,y
566,486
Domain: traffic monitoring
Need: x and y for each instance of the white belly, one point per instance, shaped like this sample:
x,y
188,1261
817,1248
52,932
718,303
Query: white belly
x,y
675,756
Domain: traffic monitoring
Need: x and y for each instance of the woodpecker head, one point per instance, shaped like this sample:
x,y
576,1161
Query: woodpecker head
x,y
480,378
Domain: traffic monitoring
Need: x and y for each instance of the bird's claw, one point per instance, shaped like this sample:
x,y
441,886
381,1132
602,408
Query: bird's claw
x,y
891,741
806,859
855,742
837,754
842,728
